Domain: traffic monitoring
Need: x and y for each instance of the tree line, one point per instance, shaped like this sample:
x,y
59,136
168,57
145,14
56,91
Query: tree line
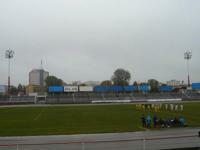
x,y
120,77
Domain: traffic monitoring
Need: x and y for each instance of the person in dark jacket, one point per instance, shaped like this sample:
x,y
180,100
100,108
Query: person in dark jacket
x,y
155,121
143,121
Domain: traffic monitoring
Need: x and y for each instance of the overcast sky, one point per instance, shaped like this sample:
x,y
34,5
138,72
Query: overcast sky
x,y
88,39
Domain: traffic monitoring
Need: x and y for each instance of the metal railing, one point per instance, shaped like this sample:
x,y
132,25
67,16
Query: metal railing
x,y
126,144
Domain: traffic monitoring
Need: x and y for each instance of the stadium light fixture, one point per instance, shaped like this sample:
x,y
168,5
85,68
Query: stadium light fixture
x,y
188,57
9,55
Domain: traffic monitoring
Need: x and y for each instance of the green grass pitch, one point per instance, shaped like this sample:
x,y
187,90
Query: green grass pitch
x,y
83,119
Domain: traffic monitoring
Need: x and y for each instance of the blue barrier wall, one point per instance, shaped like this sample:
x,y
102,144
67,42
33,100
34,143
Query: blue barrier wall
x,y
165,88
55,89
130,88
116,89
144,88
101,89
195,86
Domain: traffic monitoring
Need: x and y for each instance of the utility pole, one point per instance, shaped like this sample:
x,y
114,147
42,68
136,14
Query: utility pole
x,y
9,55
188,57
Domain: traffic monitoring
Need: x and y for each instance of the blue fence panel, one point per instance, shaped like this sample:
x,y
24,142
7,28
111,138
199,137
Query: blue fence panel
x,y
130,88
55,89
101,88
195,86
165,88
116,89
144,88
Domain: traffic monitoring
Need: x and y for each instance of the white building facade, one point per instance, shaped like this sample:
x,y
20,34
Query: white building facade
x,y
174,83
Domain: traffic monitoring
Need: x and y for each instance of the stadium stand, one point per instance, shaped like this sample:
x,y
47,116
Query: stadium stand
x,y
190,95
89,97
4,100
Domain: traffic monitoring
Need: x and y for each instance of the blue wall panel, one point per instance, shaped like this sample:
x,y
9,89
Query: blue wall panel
x,y
130,88
144,88
101,88
116,89
195,86
55,89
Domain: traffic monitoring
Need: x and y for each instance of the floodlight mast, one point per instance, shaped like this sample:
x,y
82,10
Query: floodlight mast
x,y
9,55
188,57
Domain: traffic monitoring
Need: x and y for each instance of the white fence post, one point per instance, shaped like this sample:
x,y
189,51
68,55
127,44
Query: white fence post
x,y
83,146
144,144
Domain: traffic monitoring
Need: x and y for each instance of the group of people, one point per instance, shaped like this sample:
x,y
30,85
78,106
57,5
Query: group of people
x,y
149,107
159,107
163,123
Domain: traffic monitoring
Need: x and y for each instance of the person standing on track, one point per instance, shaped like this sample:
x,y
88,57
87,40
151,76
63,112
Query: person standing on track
x,y
155,121
148,121
143,120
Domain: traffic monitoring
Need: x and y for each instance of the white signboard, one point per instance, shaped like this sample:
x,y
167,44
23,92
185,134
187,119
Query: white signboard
x,y
70,88
33,94
85,88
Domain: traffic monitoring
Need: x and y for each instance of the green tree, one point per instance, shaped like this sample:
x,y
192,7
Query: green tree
x,y
83,84
154,85
13,90
136,85
121,77
106,83
163,84
20,88
53,81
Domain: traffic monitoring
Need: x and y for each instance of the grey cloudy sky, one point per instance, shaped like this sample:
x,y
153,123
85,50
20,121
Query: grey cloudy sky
x,y
89,39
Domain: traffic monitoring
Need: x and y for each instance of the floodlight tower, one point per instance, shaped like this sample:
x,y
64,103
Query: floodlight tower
x,y
188,57
9,55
